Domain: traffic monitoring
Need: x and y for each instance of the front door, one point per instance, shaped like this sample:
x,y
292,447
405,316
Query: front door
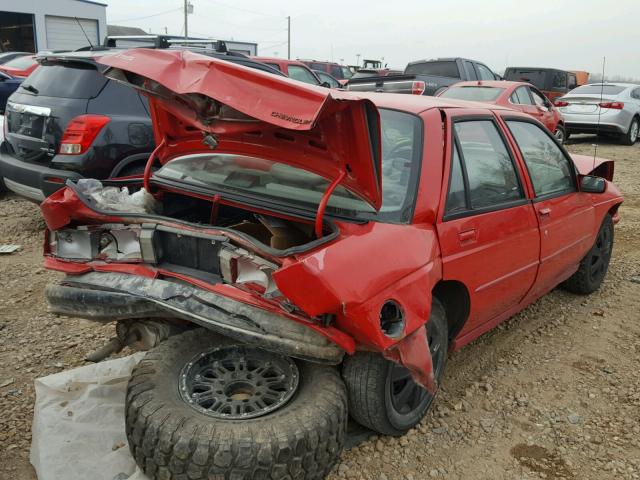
x,y
566,216
488,231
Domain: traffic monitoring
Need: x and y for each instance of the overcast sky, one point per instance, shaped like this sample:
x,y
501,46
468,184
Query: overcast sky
x,y
569,34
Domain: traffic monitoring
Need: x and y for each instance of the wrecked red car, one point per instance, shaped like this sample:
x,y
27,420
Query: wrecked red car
x,y
295,254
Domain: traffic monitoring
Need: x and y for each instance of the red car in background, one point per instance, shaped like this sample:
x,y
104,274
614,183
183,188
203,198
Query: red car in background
x,y
517,95
20,66
291,68
337,71
246,260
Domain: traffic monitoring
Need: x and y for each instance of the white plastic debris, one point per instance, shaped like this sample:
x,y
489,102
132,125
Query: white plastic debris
x,y
6,249
118,199
78,424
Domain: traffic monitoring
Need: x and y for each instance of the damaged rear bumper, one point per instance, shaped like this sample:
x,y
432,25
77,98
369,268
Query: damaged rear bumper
x,y
107,297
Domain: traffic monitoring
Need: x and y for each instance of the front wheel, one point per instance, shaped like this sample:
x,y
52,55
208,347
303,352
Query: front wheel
x,y
593,267
382,394
631,136
201,406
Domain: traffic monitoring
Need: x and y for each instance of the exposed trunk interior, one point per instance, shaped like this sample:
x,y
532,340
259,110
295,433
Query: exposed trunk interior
x,y
276,232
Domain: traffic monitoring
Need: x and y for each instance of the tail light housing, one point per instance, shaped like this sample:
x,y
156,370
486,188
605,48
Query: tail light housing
x,y
612,105
561,103
417,87
80,133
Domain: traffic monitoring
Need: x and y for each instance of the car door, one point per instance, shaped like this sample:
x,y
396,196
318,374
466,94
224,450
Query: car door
x,y
522,100
566,217
488,231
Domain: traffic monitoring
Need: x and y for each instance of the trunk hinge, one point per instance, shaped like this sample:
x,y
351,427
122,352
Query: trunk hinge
x,y
147,168
323,202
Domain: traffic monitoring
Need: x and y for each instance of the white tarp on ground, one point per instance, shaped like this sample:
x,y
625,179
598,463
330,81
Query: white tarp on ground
x,y
78,424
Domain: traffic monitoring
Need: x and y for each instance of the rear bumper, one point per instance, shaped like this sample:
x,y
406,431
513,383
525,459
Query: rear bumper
x,y
609,123
31,180
106,297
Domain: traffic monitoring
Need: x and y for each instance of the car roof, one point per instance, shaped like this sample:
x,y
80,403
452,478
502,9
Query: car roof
x,y
611,84
443,59
546,69
419,103
279,60
491,83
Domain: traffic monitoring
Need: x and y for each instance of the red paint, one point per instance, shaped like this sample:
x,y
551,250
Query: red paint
x,y
549,116
505,259
323,203
20,71
149,165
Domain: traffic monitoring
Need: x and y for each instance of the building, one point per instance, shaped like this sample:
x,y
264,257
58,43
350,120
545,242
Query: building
x,y
35,25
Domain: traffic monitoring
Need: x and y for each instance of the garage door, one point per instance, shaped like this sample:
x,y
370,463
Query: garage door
x,y
64,33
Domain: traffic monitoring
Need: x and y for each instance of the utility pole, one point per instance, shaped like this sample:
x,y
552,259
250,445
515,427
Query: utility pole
x,y
289,38
186,12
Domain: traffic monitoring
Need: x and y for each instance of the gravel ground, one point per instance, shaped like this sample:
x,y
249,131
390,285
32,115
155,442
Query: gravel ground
x,y
552,393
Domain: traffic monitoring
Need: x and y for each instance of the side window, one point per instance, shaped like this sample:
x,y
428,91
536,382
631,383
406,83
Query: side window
x,y
471,72
336,71
300,73
559,80
636,93
538,98
484,73
550,170
521,96
490,173
456,200
274,65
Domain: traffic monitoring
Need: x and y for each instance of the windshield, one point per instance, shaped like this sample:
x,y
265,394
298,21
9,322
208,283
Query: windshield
x,y
298,72
478,94
598,88
21,63
282,183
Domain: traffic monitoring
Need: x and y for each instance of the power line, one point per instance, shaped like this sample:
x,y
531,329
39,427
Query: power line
x,y
147,16
240,9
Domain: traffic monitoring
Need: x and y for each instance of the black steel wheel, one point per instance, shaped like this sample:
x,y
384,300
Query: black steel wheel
x,y
593,267
382,394
201,406
238,382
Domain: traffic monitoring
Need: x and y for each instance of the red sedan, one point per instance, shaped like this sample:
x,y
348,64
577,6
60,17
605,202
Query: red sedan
x,y
21,66
517,95
302,254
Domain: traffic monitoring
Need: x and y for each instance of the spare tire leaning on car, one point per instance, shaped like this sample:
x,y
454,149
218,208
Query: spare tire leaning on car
x,y
170,437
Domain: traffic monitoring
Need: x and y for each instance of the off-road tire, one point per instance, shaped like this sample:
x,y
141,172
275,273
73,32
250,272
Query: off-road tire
x,y
170,440
628,138
366,376
584,281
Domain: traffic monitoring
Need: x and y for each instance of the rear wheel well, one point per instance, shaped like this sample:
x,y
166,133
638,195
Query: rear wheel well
x,y
455,299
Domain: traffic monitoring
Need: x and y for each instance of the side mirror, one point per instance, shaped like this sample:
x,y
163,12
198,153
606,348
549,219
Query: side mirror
x,y
591,184
325,85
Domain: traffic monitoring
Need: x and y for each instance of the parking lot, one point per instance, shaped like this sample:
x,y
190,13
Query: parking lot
x,y
552,393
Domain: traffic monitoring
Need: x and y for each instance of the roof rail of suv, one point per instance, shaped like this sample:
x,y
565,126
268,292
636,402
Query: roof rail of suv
x,y
164,41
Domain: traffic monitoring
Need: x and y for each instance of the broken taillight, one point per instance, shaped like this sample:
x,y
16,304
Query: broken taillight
x,y
81,132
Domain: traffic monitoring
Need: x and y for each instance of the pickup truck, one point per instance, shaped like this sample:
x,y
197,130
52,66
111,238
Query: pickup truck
x,y
425,77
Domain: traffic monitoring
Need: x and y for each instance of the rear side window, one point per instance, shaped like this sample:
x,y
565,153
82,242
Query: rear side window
x,y
521,96
446,68
487,168
302,74
68,81
550,170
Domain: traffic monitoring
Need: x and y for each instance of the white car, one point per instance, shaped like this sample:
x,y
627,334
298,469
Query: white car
x,y
612,108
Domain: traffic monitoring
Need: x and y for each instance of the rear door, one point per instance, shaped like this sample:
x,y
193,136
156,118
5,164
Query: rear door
x,y
566,217
488,232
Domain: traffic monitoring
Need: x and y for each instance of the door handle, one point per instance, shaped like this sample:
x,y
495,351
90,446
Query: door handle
x,y
467,236
544,212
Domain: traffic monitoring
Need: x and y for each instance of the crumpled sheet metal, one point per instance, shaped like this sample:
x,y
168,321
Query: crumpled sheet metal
x,y
78,424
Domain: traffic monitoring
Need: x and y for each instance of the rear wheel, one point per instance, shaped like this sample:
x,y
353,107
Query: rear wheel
x,y
201,406
593,267
631,136
382,394
560,134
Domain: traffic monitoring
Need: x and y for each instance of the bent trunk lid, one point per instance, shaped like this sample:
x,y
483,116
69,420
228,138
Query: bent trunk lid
x,y
236,108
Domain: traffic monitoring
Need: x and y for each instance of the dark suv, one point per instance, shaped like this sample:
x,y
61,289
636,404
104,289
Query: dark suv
x,y
68,121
